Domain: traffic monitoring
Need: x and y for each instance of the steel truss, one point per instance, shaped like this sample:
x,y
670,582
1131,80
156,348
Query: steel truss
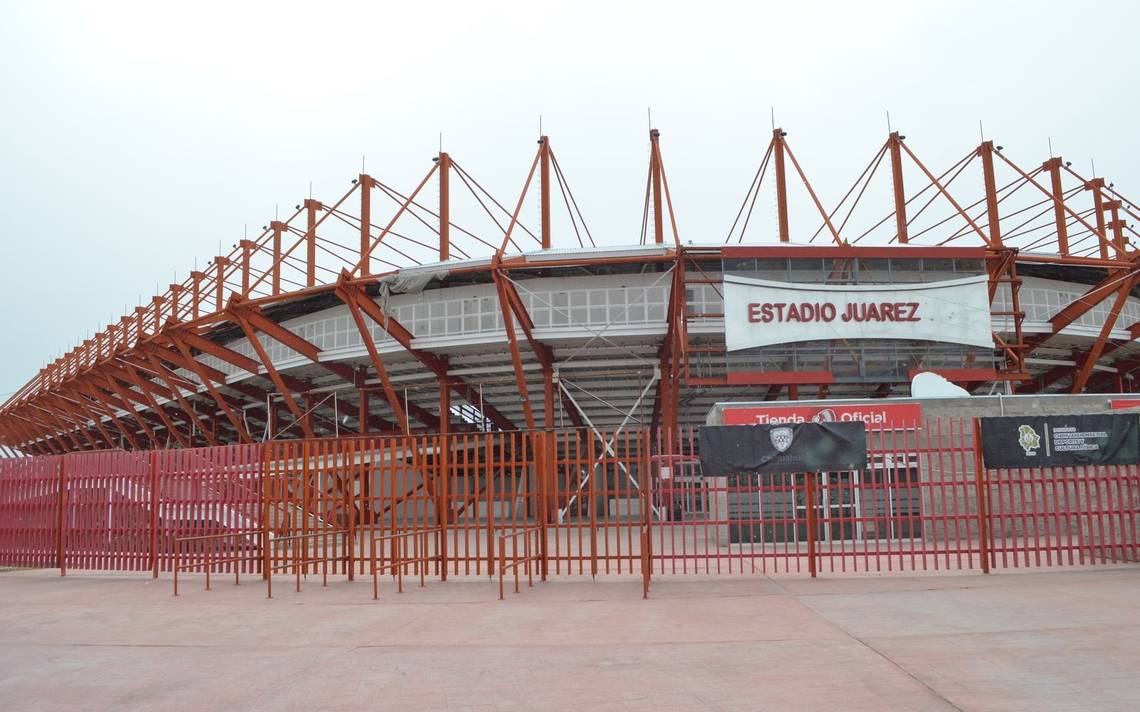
x,y
164,376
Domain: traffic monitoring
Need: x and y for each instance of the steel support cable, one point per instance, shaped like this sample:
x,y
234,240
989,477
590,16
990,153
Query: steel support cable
x,y
1063,208
1052,224
758,181
1049,224
965,229
934,197
645,206
320,246
1084,236
668,197
350,250
462,171
299,265
752,192
811,193
573,200
487,210
911,199
267,273
392,194
566,200
295,265
1125,202
422,221
872,166
347,219
429,211
858,197
1017,231
601,400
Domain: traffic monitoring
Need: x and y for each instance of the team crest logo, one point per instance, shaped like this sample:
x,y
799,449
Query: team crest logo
x,y
1028,439
827,415
781,438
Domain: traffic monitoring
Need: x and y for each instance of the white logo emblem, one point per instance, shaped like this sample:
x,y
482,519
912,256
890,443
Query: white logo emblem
x,y
827,415
781,438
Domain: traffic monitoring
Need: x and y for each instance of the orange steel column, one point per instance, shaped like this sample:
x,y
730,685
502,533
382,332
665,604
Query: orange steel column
x,y
1053,165
993,217
278,227
176,291
655,171
219,297
897,181
246,250
365,223
544,185
196,278
781,183
311,208
1117,226
444,161
1096,185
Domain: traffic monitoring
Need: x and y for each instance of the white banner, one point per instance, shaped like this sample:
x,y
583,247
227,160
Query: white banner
x,y
759,312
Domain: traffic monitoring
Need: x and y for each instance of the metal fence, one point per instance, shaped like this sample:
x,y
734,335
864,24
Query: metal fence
x,y
595,502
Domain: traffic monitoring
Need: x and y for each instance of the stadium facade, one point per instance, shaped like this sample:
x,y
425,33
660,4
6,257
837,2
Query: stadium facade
x,y
386,312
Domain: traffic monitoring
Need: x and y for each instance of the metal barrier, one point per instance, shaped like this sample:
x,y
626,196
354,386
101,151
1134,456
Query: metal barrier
x,y
301,560
531,555
419,559
210,561
593,502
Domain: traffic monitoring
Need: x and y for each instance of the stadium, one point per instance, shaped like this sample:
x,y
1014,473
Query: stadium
x,y
385,312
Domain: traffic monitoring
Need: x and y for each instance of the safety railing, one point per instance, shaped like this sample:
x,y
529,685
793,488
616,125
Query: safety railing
x,y
531,557
398,560
301,560
208,550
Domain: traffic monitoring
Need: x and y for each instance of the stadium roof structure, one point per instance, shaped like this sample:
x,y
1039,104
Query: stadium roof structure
x,y
384,311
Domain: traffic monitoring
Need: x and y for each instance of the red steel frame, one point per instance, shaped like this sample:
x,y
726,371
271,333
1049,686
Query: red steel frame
x,y
104,394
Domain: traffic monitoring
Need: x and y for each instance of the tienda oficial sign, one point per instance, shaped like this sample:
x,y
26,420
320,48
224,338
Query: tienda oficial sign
x,y
889,416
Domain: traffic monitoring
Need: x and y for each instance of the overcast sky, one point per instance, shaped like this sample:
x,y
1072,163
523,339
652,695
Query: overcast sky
x,y
136,137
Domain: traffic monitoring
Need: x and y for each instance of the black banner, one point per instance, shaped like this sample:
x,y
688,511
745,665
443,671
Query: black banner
x,y
1049,440
789,447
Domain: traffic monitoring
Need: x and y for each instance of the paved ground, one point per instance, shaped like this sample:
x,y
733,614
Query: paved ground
x,y
1032,641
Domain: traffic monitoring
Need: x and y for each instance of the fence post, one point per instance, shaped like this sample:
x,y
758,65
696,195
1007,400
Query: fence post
x,y
982,494
154,513
350,515
809,497
443,509
61,554
266,557
647,480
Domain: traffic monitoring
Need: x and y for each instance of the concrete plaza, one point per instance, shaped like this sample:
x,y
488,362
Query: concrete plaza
x,y
1056,639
